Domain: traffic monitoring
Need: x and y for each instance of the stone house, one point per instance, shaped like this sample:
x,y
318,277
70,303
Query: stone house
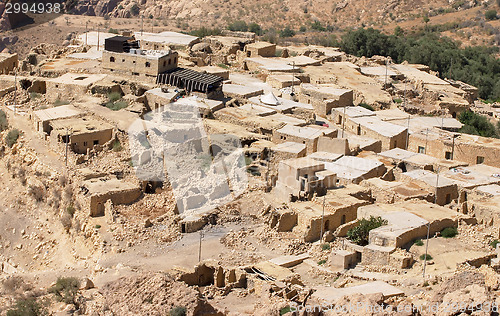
x,y
8,62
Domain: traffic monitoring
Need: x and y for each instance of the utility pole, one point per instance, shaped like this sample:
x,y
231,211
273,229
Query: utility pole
x,y
199,250
322,219
404,96
386,63
426,247
67,144
293,78
86,31
453,147
426,137
142,23
408,133
15,89
97,38
343,122
437,184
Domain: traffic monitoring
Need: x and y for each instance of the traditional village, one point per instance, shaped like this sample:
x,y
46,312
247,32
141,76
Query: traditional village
x,y
338,181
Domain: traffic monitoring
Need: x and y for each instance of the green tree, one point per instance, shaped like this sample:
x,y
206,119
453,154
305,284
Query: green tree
x,y
360,233
240,26
255,28
287,32
65,290
27,307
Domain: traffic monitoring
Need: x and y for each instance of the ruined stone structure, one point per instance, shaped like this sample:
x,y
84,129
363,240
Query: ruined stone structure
x,y
262,49
70,86
8,62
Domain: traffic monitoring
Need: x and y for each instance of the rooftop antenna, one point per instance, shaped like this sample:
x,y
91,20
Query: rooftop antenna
x,y
86,31
293,78
386,63
199,249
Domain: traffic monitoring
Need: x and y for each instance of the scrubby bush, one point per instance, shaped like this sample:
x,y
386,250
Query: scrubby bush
x,y
204,32
178,311
360,233
115,101
494,243
12,137
325,247
449,232
27,307
240,26
3,121
285,310
418,242
490,15
287,32
59,102
423,256
255,28
117,146
321,262
366,106
65,290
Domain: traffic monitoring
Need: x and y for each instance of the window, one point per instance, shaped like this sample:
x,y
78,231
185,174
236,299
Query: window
x,y
96,142
175,60
447,155
112,59
148,64
164,63
448,198
342,220
421,150
395,144
123,60
479,160
169,61
84,143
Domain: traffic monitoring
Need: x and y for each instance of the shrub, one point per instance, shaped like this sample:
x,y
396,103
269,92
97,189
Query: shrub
x,y
71,210
3,121
12,137
398,101
178,311
366,106
449,232
97,226
134,10
27,307
360,233
418,242
65,290
490,15
112,30
255,28
240,26
477,124
325,247
285,310
303,28
117,146
203,32
423,256
115,101
287,32
494,243
323,261
35,95
59,102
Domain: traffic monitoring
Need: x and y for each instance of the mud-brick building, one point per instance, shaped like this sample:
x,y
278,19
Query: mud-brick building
x,y
8,62
263,49
122,54
81,133
363,122
471,149
301,177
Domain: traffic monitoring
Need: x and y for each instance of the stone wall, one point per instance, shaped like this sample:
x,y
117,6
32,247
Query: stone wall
x,y
138,64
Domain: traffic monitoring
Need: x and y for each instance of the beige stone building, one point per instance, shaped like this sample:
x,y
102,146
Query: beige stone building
x,y
262,49
84,133
43,118
444,189
140,62
301,177
325,97
471,149
363,122
70,86
307,135
8,62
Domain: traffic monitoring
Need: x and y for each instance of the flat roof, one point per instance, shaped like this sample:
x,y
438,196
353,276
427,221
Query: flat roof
x,y
304,162
418,75
397,154
378,71
423,209
354,111
325,156
325,89
272,64
241,90
473,176
330,294
78,79
58,112
301,131
260,45
81,125
100,186
359,163
258,109
490,189
284,106
302,61
381,127
167,37
430,178
289,147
